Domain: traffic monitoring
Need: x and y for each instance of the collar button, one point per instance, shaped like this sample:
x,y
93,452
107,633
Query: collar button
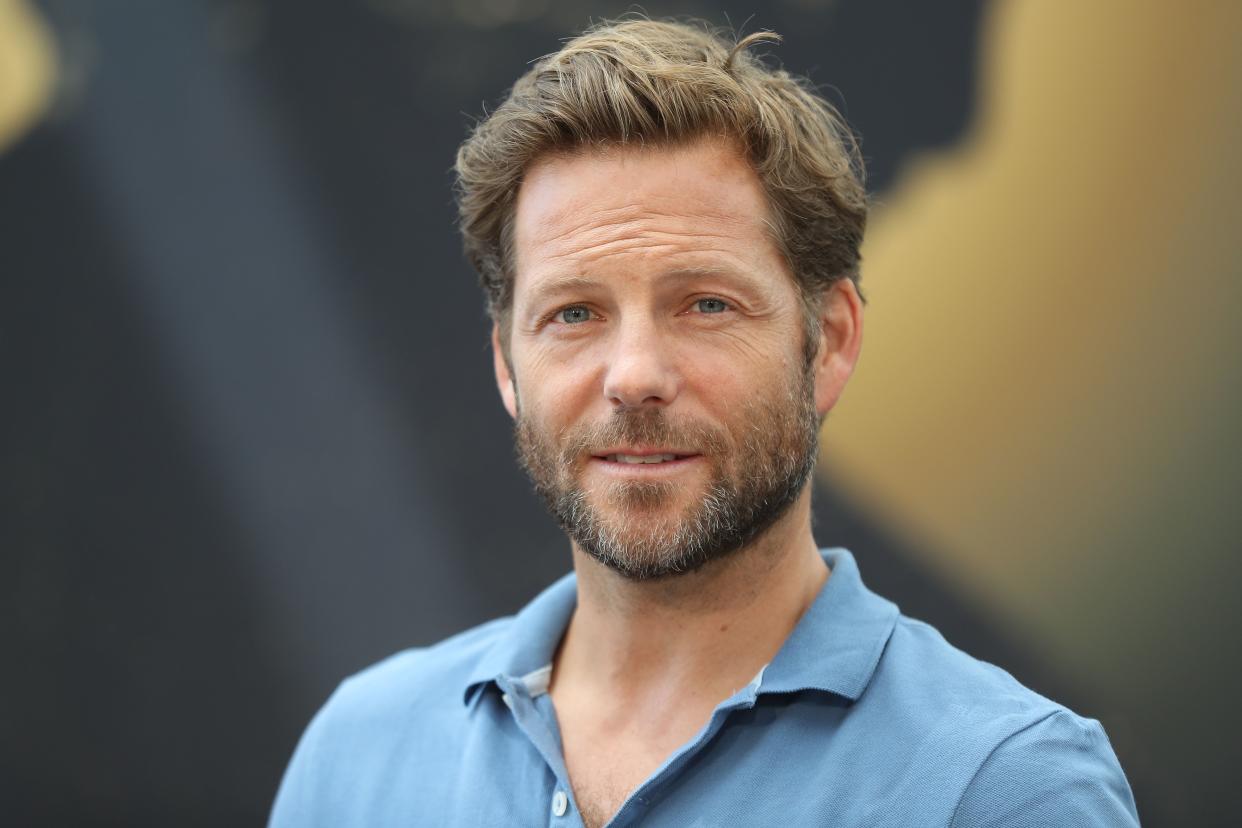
x,y
560,803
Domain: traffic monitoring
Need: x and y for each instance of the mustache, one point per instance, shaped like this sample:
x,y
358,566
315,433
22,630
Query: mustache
x,y
646,426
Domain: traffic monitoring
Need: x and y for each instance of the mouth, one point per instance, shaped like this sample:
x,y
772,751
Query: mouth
x,y
635,461
639,454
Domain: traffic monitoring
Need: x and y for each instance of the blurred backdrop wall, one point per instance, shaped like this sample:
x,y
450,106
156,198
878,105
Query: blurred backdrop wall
x,y
250,441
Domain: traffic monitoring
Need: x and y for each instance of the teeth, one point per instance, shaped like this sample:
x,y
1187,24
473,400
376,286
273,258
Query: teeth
x,y
632,458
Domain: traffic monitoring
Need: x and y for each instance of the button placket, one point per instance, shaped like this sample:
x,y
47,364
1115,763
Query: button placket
x,y
535,718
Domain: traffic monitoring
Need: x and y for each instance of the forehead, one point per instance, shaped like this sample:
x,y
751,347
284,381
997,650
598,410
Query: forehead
x,y
692,204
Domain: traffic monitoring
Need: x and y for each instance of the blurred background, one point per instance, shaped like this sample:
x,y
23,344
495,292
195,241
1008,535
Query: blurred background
x,y
250,441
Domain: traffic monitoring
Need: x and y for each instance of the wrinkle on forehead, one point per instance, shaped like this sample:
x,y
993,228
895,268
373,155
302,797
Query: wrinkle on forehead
x,y
570,220
640,201
594,245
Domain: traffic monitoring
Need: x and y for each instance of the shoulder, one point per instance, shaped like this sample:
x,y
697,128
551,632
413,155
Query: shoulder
x,y
918,660
389,721
417,676
1015,757
942,707
1058,770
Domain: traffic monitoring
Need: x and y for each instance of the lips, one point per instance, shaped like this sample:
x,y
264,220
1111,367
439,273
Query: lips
x,y
641,458
638,454
630,461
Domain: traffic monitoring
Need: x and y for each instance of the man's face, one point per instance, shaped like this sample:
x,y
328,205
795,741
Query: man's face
x,y
664,408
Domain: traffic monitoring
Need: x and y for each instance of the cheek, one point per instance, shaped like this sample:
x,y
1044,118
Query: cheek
x,y
547,412
735,367
559,382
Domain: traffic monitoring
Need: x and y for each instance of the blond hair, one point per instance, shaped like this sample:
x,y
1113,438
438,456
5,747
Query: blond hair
x,y
652,82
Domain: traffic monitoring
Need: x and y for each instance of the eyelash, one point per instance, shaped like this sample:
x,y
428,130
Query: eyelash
x,y
555,315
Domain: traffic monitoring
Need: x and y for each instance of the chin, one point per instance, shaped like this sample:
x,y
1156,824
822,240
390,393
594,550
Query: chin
x,y
656,562
663,548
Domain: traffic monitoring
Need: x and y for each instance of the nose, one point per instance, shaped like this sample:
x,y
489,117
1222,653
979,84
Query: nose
x,y
642,370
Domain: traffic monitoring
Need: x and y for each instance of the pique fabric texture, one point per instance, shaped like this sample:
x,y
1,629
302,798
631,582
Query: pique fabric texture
x,y
864,718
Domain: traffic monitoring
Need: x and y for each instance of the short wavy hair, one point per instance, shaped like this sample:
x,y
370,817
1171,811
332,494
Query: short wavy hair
x,y
656,82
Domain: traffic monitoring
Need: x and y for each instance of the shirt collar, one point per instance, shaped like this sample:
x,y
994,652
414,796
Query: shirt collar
x,y
834,648
529,642
837,643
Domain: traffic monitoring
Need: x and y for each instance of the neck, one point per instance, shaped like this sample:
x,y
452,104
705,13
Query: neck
x,y
708,631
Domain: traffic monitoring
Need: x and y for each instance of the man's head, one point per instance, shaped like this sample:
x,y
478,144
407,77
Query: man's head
x,y
666,356
652,83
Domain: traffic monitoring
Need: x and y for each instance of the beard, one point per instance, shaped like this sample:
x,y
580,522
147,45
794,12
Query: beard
x,y
758,465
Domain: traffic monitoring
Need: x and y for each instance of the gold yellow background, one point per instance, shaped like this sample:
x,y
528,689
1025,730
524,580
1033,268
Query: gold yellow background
x,y
1049,394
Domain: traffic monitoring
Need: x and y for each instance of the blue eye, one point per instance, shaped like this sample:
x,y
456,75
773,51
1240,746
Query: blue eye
x,y
712,306
573,315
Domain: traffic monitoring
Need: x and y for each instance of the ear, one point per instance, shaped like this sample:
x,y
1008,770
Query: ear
x,y
504,378
840,341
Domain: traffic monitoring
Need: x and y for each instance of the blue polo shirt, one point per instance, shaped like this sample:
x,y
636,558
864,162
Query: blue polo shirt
x,y
863,718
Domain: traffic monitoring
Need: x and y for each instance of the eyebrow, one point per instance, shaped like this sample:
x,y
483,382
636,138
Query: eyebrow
x,y
683,273
577,282
560,284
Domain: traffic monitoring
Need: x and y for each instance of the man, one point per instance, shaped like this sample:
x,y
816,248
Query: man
x,y
667,232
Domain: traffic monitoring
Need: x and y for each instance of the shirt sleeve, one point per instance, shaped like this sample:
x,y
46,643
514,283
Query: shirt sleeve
x,y
1060,770
302,785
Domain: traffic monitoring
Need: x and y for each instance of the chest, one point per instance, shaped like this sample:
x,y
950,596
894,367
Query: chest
x,y
606,764
788,761
604,773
